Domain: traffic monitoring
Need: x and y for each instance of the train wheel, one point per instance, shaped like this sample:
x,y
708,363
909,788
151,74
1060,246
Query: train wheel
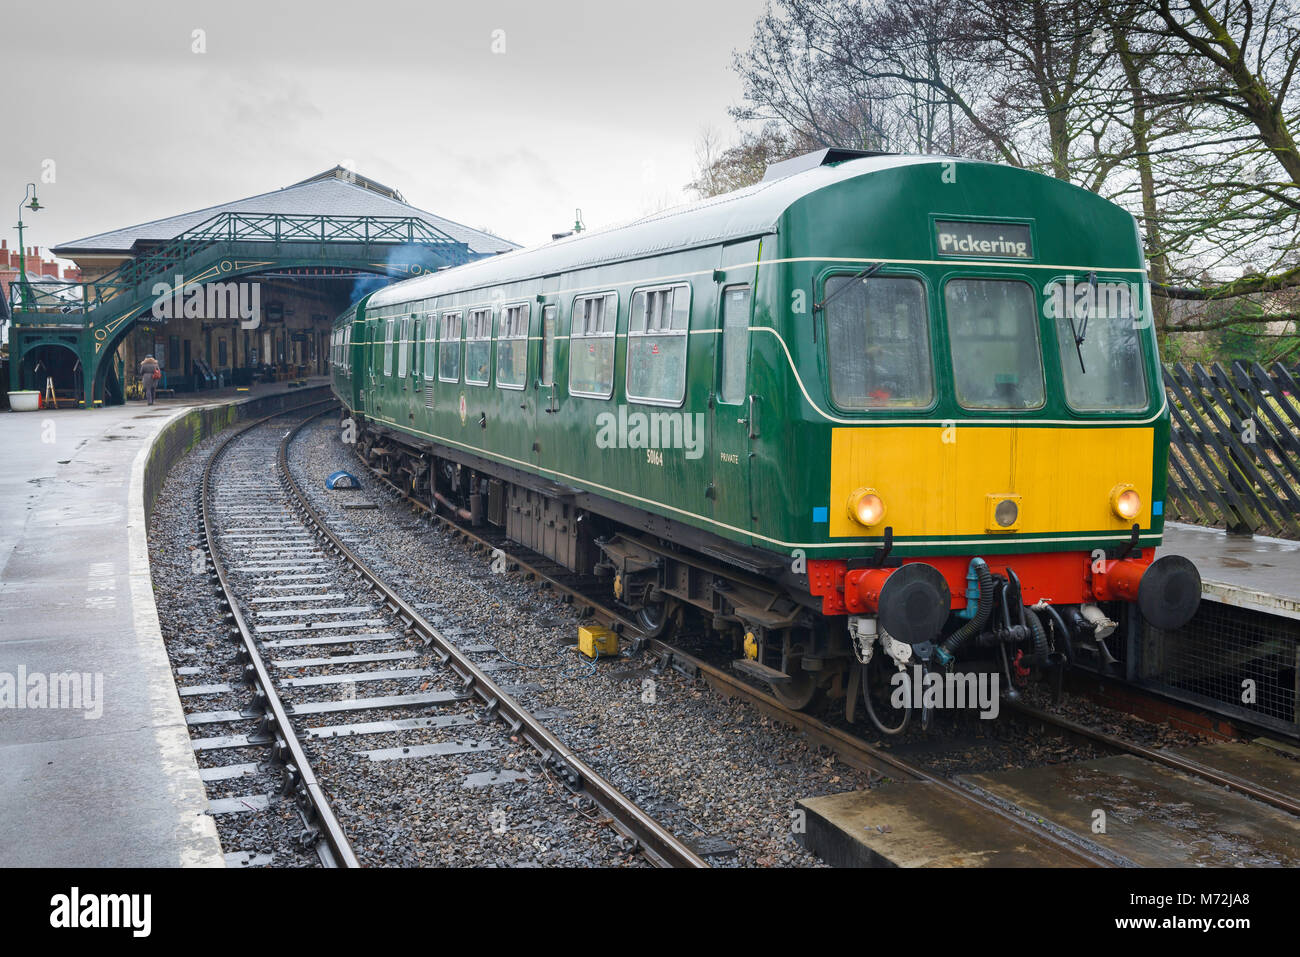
x,y
800,693
654,619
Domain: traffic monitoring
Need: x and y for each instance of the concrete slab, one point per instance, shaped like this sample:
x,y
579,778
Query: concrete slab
x,y
912,824
1259,573
1155,817
108,777
1259,764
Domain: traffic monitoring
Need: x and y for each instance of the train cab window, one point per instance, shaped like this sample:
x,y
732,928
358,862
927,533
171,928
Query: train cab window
x,y
449,348
878,337
657,330
735,344
1104,372
591,345
512,347
993,331
403,344
549,325
430,346
389,328
478,346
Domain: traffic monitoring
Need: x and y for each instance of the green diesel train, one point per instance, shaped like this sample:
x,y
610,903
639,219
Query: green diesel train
x,y
876,411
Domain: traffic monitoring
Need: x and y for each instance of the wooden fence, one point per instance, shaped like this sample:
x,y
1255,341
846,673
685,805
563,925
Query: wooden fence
x,y
1234,460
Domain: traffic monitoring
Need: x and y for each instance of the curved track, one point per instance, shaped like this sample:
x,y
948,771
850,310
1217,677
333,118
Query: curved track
x,y
298,778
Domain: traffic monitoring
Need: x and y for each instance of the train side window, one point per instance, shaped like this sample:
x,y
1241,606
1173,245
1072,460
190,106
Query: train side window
x,y
657,333
430,364
549,324
735,344
449,348
403,344
389,327
478,346
878,338
512,347
591,345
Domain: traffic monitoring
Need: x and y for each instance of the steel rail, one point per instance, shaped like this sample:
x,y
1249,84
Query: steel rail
x,y
852,750
1178,763
655,841
336,850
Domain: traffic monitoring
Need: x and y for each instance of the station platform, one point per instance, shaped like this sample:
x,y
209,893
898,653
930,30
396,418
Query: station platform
x,y
1258,573
98,770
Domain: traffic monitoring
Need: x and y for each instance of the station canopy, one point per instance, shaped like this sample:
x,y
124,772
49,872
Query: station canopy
x,y
335,192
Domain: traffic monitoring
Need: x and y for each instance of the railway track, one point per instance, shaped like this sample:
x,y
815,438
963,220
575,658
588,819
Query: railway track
x,y
261,532
317,631
1064,846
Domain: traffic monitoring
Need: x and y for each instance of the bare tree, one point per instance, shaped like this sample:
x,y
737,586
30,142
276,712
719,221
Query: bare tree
x,y
1181,110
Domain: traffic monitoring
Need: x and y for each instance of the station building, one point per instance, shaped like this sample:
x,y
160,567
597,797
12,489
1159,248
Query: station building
x,y
283,264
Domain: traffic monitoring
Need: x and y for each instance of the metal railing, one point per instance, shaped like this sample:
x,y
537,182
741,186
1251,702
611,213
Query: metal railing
x,y
78,298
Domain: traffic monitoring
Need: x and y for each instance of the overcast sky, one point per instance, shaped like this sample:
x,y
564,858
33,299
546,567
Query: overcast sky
x,y
595,105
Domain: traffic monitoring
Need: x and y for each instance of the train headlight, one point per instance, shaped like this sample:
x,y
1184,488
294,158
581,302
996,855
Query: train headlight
x,y
866,507
1002,513
1006,512
1125,502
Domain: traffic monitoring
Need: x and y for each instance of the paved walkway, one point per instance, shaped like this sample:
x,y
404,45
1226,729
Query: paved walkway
x,y
109,777
1259,573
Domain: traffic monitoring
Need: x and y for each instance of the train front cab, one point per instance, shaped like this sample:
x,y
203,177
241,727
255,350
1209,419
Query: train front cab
x,y
998,434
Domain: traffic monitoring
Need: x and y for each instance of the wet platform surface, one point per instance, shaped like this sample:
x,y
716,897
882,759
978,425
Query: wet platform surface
x,y
1154,816
108,778
1259,573
1272,767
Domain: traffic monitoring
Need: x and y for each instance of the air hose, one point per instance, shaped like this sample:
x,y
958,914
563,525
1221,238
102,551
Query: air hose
x,y
948,649
1063,641
1039,633
871,709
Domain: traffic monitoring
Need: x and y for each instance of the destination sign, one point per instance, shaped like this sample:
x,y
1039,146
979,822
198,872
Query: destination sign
x,y
984,240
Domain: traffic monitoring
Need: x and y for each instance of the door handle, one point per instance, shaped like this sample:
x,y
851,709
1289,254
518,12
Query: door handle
x,y
752,418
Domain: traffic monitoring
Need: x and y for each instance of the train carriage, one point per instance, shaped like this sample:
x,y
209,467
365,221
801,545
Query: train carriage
x,y
876,410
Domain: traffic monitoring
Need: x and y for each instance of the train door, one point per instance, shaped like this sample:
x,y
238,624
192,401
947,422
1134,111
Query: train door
x,y
546,390
730,412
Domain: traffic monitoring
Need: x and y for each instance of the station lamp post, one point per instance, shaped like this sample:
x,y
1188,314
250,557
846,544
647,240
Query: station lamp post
x,y
34,206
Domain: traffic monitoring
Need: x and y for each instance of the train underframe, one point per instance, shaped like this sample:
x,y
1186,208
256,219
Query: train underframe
x,y
830,631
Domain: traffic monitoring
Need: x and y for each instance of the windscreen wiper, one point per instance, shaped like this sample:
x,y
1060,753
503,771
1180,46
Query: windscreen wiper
x,y
1081,332
864,275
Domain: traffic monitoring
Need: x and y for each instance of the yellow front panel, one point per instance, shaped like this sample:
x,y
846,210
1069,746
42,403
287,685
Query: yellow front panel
x,y
935,481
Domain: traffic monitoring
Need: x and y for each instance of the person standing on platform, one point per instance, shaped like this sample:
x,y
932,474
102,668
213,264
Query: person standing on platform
x,y
150,373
